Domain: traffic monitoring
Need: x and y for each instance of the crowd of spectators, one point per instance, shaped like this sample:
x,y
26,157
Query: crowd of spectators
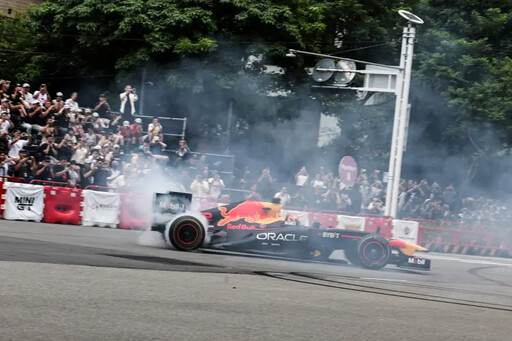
x,y
50,138
417,199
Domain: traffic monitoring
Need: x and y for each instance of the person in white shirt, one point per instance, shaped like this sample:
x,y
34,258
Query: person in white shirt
x,y
116,179
128,96
26,96
199,187
42,95
155,129
283,195
317,181
19,141
216,186
58,102
80,151
5,163
301,177
5,105
71,102
5,122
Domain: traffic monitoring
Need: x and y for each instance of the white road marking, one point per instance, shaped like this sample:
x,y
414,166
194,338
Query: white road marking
x,y
384,279
469,261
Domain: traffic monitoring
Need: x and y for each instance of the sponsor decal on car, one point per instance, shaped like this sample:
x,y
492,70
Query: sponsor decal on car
x,y
172,206
414,260
330,235
285,237
243,226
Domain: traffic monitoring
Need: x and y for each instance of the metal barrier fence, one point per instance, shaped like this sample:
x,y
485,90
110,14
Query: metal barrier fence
x,y
180,130
441,236
11,179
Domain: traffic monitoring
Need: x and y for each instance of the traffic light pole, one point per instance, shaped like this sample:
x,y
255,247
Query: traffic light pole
x,y
401,90
400,121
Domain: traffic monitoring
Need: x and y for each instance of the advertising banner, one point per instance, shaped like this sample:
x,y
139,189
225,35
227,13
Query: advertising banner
x,y
100,208
350,223
302,217
23,201
405,230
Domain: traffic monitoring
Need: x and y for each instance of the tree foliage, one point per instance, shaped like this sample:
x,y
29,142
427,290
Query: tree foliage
x,y
210,53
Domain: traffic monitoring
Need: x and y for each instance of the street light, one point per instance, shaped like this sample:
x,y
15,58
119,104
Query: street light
x,y
380,78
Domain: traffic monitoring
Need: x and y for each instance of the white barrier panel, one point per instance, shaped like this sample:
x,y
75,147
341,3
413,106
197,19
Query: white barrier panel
x,y
303,217
23,201
101,208
350,223
406,230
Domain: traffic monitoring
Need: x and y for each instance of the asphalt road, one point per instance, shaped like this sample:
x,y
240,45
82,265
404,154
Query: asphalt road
x,y
62,282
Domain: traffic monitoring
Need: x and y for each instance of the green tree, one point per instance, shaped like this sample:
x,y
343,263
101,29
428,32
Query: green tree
x,y
464,55
16,48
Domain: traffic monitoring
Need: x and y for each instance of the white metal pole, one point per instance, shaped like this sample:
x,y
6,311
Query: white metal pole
x,y
409,34
394,137
228,130
142,92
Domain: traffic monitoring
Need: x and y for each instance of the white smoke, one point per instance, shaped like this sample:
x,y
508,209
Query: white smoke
x,y
151,238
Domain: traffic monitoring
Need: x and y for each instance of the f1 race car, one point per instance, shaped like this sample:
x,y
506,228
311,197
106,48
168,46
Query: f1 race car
x,y
257,227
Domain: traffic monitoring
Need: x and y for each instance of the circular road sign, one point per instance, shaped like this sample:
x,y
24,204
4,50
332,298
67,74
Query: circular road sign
x,y
348,171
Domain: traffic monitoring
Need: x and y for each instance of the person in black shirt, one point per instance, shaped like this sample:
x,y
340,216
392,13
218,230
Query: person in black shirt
x,y
64,148
24,166
4,142
44,170
182,154
60,117
100,173
49,148
156,146
103,108
16,105
60,171
86,177
34,122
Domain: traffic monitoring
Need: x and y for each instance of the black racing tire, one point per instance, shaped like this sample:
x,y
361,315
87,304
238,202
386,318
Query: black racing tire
x,y
374,251
351,254
185,233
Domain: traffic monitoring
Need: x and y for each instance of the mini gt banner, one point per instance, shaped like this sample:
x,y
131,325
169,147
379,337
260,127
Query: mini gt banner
x,y
23,201
350,223
405,230
100,208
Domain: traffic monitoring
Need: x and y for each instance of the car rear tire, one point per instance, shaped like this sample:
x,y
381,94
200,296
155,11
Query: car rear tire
x,y
185,233
374,251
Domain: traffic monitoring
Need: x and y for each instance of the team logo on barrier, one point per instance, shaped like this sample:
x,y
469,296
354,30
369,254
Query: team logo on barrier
x,y
24,203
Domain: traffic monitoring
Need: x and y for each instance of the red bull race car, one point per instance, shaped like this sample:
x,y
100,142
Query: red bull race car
x,y
257,227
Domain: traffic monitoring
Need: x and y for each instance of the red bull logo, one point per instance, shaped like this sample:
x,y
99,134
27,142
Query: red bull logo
x,y
250,211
